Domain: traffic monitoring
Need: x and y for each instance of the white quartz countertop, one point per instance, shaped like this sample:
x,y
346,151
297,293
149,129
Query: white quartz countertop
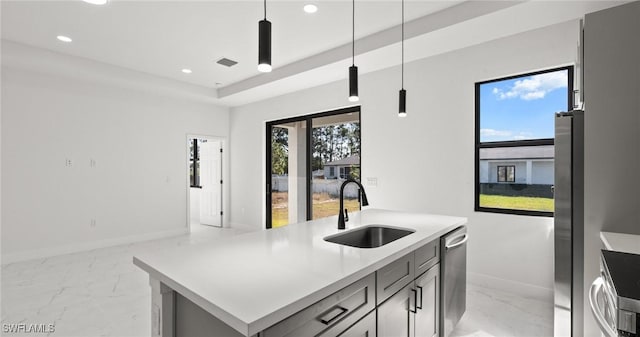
x,y
255,280
626,243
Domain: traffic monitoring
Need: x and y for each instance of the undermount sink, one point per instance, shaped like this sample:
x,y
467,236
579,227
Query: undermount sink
x,y
371,236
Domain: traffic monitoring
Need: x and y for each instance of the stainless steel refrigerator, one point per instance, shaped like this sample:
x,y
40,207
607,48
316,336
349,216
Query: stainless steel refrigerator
x,y
569,224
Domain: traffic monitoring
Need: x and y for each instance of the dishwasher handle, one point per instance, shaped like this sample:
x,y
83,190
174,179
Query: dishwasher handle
x,y
461,242
596,287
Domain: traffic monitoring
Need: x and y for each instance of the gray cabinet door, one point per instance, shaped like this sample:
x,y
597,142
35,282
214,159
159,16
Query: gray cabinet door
x,y
395,318
427,316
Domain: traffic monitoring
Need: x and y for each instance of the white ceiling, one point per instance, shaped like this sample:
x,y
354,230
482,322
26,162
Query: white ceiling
x,y
163,37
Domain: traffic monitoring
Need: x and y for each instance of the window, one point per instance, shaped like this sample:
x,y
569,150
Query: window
x,y
515,130
507,174
332,171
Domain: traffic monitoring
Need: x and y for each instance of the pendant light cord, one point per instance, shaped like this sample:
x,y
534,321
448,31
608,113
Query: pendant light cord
x,y
402,44
265,9
353,32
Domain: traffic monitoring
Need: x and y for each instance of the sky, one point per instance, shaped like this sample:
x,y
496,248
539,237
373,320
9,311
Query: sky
x,y
522,108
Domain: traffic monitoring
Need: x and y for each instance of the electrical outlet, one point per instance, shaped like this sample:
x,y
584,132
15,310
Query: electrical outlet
x,y
372,181
68,162
93,223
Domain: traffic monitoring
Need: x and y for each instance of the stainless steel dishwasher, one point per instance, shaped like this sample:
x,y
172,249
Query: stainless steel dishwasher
x,y
453,278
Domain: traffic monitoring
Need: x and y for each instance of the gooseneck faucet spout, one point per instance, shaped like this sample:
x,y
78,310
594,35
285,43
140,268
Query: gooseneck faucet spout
x,y
365,202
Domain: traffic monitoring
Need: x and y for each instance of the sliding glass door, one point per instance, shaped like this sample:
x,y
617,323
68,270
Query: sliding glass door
x,y
336,157
308,158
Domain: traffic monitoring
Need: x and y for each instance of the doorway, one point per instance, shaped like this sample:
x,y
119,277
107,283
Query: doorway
x,y
308,158
205,181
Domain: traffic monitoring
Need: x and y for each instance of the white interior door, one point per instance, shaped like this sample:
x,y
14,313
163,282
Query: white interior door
x,y
211,182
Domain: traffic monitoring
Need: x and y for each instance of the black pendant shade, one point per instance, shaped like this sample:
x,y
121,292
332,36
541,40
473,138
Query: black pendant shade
x,y
264,46
402,103
353,83
402,97
353,70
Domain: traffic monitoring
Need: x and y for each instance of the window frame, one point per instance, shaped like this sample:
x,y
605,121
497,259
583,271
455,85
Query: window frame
x,y
513,143
308,119
506,175
195,162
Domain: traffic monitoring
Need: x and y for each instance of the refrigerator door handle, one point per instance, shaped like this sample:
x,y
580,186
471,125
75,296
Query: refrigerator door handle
x,y
594,290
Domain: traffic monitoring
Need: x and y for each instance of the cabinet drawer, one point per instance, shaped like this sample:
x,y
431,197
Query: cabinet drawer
x,y
366,327
427,256
345,307
394,277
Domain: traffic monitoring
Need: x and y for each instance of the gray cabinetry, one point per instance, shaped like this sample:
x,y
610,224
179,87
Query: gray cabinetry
x,y
414,310
427,256
428,298
332,315
395,318
366,327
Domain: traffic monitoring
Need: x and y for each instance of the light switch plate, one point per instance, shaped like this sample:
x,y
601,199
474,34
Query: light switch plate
x,y
372,181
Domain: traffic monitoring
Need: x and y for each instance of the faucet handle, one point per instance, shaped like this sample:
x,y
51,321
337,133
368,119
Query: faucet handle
x,y
346,215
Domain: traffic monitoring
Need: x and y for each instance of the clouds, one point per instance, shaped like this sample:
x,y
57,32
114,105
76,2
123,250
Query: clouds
x,y
503,135
533,87
494,133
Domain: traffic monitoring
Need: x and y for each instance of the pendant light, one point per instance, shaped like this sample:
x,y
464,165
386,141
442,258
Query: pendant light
x,y
353,70
264,43
402,104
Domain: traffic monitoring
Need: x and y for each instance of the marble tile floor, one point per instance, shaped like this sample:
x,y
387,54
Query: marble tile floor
x,y
495,313
101,293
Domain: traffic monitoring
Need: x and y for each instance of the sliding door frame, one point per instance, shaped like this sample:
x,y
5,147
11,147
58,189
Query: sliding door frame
x,y
308,119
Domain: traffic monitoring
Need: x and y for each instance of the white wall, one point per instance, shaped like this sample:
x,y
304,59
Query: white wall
x,y
434,144
137,138
612,133
542,172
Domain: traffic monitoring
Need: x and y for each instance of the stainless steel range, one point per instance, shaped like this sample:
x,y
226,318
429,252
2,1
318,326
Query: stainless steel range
x,y
615,295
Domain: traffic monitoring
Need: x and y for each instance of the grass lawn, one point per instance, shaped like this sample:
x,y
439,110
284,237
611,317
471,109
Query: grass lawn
x,y
323,206
524,203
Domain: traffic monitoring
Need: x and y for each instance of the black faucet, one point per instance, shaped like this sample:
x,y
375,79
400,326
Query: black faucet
x,y
365,202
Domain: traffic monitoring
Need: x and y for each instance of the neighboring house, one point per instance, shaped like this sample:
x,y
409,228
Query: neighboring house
x,y
318,174
522,168
341,168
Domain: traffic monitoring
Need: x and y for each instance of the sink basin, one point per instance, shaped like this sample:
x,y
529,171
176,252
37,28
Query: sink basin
x,y
371,236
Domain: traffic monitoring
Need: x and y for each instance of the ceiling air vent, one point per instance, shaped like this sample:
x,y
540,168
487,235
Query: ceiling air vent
x,y
226,62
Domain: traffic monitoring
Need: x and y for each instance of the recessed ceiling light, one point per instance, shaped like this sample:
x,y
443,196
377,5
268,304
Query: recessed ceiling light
x,y
64,38
96,2
310,8
187,71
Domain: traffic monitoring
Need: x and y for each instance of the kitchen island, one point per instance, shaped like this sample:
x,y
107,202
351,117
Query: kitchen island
x,y
246,285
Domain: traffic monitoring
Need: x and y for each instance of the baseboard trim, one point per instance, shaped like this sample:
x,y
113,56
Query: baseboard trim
x,y
243,227
519,288
85,246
